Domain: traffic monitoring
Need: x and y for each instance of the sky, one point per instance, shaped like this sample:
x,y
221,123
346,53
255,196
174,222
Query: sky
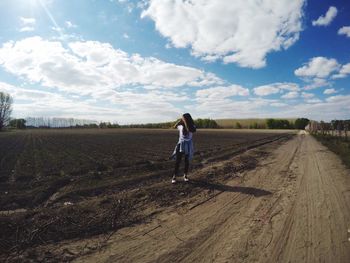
x,y
146,61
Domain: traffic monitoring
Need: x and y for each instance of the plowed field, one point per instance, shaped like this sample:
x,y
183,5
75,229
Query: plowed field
x,y
105,196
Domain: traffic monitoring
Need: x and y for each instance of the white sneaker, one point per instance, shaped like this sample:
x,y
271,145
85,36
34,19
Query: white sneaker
x,y
185,178
173,180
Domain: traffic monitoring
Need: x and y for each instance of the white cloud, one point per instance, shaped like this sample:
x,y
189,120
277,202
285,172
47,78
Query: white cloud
x,y
291,95
93,80
28,21
131,106
335,107
240,31
319,67
345,30
219,107
222,92
88,66
142,4
275,88
339,98
326,19
329,91
266,90
279,104
19,93
319,71
27,24
307,95
26,29
69,24
313,101
125,35
343,72
288,86
88,74
316,83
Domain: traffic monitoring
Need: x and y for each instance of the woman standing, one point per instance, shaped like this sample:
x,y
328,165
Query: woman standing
x,y
184,146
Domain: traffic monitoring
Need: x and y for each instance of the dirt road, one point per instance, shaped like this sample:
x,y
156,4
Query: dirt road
x,y
294,207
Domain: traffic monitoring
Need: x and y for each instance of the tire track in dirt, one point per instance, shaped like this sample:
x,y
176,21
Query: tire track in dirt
x,y
201,229
305,219
316,229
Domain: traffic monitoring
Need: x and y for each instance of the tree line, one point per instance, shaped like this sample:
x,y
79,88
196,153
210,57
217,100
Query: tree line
x,y
299,123
200,123
270,123
41,122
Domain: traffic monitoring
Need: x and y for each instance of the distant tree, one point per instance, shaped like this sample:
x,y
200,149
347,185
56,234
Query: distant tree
x,y
238,125
5,109
301,123
346,128
18,123
270,123
338,125
278,124
92,125
104,125
206,123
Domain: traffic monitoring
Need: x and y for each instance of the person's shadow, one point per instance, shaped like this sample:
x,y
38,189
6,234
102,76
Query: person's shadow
x,y
226,188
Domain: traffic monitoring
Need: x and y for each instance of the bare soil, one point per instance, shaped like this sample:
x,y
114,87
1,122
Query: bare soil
x,y
274,199
294,207
59,185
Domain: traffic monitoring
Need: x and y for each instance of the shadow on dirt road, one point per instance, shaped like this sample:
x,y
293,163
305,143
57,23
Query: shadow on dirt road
x,y
226,188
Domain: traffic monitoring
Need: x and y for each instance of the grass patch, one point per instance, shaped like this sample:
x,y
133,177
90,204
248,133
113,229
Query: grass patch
x,y
338,145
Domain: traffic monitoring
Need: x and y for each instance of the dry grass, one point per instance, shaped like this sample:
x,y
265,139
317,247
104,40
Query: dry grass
x,y
245,123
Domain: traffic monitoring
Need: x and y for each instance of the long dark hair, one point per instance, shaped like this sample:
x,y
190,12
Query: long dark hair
x,y
189,123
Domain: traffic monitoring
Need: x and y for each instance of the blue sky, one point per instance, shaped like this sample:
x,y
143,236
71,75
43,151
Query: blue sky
x,y
151,60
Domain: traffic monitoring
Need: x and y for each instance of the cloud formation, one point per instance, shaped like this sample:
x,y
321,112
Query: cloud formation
x,y
90,79
319,67
27,24
318,72
329,91
87,66
275,88
327,18
345,30
222,92
241,32
290,95
69,24
307,95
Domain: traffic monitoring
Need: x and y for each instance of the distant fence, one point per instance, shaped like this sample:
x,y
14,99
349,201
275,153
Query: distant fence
x,y
334,128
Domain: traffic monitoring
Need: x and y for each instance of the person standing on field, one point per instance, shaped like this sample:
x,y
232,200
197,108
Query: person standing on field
x,y
184,146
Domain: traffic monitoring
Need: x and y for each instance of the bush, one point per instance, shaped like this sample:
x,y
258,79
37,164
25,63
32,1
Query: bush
x,y
18,123
278,124
301,123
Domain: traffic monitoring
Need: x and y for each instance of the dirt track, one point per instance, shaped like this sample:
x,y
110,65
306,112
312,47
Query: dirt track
x,y
294,207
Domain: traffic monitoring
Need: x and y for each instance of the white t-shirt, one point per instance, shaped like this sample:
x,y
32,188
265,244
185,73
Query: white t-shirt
x,y
183,137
